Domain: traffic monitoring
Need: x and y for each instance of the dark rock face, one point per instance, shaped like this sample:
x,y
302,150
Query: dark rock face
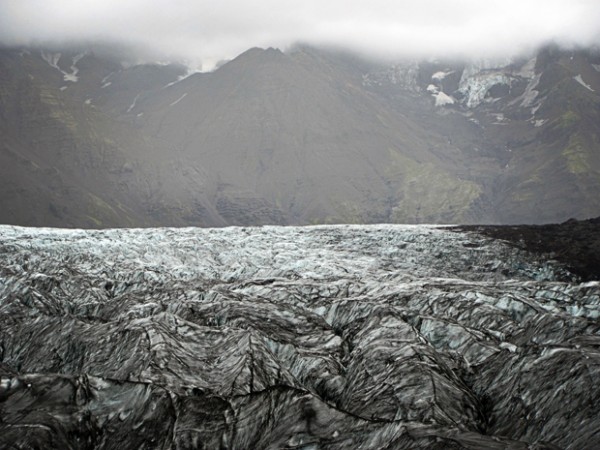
x,y
575,243
338,337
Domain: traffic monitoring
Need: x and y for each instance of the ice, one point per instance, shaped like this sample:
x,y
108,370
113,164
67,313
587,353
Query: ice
x,y
74,69
438,76
190,71
104,83
179,99
530,93
500,119
528,69
583,83
475,87
133,103
442,99
336,337
53,58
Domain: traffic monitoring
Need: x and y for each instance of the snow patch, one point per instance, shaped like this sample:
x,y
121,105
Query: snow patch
x,y
527,70
508,346
596,66
133,103
500,119
583,83
105,83
538,123
188,74
53,58
88,101
178,100
476,87
442,99
530,94
438,76
74,69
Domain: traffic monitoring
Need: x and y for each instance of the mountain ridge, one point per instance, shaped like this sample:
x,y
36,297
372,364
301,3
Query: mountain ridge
x,y
305,136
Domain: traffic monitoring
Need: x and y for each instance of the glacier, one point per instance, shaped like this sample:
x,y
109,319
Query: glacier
x,y
342,336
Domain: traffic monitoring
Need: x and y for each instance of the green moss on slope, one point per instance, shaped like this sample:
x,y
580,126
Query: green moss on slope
x,y
427,194
577,156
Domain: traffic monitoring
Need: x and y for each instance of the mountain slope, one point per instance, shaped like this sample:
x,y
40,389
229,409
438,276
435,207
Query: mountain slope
x,y
301,137
59,158
534,120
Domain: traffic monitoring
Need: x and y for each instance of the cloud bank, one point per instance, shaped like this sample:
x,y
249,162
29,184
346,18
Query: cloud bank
x,y
212,31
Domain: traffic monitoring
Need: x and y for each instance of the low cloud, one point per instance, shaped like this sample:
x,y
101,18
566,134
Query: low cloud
x,y
212,31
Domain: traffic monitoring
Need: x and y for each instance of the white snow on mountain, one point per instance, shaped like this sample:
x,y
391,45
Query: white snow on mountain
x,y
190,71
527,70
133,103
438,76
53,59
442,99
475,87
583,83
179,99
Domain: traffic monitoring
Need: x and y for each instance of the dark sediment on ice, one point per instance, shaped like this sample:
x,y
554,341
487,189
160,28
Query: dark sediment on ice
x,y
333,337
574,243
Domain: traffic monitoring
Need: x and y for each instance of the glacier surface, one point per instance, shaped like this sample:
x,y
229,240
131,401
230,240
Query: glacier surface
x,y
329,337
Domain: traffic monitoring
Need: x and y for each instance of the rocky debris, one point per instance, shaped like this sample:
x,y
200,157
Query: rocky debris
x,y
327,337
575,243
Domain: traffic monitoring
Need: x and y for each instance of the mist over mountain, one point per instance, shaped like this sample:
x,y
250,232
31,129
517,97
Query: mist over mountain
x,y
244,179
91,138
206,33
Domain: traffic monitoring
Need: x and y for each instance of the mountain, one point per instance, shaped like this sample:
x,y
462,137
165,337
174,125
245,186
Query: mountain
x,y
328,337
306,136
536,119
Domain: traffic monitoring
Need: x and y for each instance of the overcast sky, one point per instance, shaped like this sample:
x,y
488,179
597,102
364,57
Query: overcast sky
x,y
221,29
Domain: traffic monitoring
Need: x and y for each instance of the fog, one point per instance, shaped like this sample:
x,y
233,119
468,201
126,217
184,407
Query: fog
x,y
207,32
